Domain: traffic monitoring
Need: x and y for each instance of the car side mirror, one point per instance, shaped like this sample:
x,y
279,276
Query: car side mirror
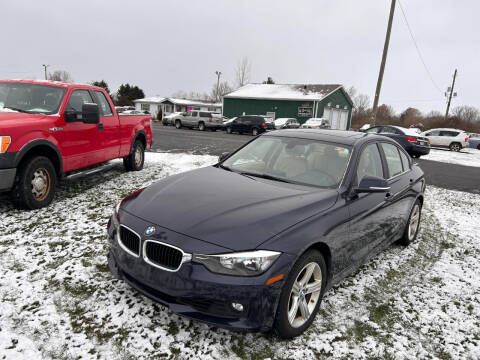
x,y
90,113
223,156
372,184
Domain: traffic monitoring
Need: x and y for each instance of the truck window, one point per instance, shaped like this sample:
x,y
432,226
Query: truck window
x,y
77,99
194,113
103,103
205,114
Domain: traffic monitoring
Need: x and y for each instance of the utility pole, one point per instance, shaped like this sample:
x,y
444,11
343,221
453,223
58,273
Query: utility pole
x,y
382,65
218,83
45,70
450,93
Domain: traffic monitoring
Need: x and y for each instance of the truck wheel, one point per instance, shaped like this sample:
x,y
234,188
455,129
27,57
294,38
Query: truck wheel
x,y
135,161
201,126
178,124
35,184
254,131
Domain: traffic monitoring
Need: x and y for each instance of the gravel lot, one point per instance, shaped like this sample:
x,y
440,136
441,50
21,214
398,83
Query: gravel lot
x,y
58,299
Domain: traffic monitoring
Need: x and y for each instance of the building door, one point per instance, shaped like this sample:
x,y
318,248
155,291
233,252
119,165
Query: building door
x,y
338,118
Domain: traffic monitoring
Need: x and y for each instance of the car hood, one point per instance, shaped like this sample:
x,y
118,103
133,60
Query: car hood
x,y
226,208
14,119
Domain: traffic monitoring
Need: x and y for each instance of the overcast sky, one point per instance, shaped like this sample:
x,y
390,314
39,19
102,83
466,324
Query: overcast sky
x,y
165,46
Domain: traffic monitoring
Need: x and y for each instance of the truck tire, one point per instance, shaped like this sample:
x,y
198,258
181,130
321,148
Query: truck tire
x,y
178,124
35,184
229,130
201,126
136,159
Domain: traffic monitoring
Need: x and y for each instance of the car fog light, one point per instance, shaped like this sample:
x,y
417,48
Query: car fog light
x,y
237,306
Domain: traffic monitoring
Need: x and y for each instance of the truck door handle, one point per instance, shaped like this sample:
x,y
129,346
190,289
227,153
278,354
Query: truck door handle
x,y
100,127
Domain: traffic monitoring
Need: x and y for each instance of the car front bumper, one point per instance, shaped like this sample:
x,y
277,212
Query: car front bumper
x,y
7,179
196,292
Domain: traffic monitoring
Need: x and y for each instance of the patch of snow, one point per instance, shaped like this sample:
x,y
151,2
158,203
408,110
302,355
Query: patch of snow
x,y
467,156
280,91
58,299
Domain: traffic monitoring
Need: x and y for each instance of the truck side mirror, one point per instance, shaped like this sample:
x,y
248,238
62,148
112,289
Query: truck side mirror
x,y
90,113
223,156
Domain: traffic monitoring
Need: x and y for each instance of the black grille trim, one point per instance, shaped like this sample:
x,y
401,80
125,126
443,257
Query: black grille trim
x,y
129,240
163,256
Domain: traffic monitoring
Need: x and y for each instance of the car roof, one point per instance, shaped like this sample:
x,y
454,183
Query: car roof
x,y
53,83
449,129
337,136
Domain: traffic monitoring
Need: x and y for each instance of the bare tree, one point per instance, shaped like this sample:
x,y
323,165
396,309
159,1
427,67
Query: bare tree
x,y
223,89
242,72
467,113
60,75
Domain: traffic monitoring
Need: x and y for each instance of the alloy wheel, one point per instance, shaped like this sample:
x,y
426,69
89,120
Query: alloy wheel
x,y
414,222
455,147
305,294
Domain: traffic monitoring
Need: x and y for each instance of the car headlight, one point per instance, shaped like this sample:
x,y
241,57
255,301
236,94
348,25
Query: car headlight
x,y
250,263
116,216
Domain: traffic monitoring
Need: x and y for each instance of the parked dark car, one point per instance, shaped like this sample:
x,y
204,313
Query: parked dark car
x,y
277,223
249,124
415,144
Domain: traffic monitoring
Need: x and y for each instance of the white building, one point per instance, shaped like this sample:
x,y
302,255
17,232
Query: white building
x,y
167,106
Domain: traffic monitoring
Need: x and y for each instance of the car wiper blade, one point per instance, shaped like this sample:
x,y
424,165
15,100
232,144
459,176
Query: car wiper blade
x,y
15,109
266,176
224,167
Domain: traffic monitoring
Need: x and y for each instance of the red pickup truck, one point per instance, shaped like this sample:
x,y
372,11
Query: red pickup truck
x,y
50,130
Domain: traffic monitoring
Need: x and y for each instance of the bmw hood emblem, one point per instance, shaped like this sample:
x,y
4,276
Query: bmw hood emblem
x,y
150,230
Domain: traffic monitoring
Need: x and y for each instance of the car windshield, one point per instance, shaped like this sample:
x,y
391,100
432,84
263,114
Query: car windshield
x,y
30,98
292,160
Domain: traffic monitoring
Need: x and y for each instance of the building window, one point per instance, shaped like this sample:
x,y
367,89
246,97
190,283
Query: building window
x,y
145,107
304,111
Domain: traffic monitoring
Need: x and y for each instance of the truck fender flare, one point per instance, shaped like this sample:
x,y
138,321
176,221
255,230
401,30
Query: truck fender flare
x,y
139,133
39,142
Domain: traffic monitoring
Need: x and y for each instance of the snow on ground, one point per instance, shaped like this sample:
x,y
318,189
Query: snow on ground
x,y
467,157
58,299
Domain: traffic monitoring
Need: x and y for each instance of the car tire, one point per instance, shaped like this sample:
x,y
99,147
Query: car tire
x,y
201,126
136,159
229,130
455,147
254,132
35,184
478,147
290,321
178,124
413,224
415,156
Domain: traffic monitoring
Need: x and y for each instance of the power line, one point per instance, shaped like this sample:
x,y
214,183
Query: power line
x,y
418,49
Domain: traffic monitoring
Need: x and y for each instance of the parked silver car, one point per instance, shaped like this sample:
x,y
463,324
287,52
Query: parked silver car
x,y
286,123
316,123
198,119
454,139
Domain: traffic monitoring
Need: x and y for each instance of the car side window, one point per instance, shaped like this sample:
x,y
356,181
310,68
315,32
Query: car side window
x,y
194,113
433,133
389,130
78,98
405,161
373,130
205,114
394,162
370,163
103,103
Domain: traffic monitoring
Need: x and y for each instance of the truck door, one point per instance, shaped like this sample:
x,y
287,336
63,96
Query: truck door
x,y
109,127
79,142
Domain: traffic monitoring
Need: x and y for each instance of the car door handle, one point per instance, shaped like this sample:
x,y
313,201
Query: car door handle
x,y
100,127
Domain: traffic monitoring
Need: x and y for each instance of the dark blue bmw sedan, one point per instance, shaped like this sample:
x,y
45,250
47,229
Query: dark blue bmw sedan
x,y
254,241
